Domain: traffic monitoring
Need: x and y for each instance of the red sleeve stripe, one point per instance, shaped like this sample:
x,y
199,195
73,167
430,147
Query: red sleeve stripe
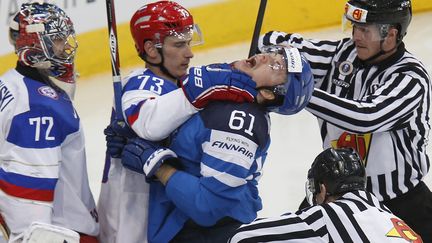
x,y
27,193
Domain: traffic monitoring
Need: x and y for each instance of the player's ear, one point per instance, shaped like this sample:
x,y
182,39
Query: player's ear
x,y
321,196
150,49
266,94
393,32
391,38
323,189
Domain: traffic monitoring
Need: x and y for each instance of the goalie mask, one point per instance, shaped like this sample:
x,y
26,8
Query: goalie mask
x,y
44,38
295,93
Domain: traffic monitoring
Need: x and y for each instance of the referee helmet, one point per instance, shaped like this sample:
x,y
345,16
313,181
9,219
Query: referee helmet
x,y
340,170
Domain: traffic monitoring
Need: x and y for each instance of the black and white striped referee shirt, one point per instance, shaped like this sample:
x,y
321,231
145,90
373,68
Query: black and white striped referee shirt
x,y
380,110
355,217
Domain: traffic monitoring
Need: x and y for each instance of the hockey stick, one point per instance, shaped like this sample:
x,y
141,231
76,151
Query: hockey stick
x,y
115,60
257,29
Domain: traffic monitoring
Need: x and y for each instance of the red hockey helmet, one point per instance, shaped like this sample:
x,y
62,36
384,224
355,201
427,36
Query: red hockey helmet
x,y
155,21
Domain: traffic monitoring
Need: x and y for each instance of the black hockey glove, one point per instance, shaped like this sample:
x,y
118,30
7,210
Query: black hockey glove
x,y
116,136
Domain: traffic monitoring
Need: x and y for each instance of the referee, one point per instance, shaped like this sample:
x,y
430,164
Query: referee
x,y
373,95
343,211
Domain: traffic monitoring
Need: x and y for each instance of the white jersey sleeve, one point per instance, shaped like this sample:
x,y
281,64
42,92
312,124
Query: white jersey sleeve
x,y
154,107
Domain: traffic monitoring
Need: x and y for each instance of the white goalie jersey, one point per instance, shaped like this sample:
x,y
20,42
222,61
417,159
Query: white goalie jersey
x,y
43,174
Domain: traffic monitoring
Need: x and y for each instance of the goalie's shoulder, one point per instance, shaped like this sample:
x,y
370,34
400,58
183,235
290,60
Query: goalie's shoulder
x,y
10,86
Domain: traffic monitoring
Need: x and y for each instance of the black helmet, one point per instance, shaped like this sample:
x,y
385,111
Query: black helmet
x,y
394,12
340,170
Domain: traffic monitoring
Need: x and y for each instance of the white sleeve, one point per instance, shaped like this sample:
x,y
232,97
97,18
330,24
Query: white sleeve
x,y
161,115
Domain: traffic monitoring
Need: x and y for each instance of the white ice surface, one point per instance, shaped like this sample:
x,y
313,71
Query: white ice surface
x,y
295,139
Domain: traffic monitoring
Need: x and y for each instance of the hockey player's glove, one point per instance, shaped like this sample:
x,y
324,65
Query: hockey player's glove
x,y
145,157
272,38
116,136
218,82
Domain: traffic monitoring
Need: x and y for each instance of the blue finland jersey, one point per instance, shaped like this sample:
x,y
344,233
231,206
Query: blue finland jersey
x,y
222,151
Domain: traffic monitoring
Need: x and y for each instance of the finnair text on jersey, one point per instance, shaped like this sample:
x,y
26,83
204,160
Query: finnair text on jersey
x,y
233,147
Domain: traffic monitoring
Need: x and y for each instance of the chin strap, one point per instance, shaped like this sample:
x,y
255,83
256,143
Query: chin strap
x,y
380,53
160,65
